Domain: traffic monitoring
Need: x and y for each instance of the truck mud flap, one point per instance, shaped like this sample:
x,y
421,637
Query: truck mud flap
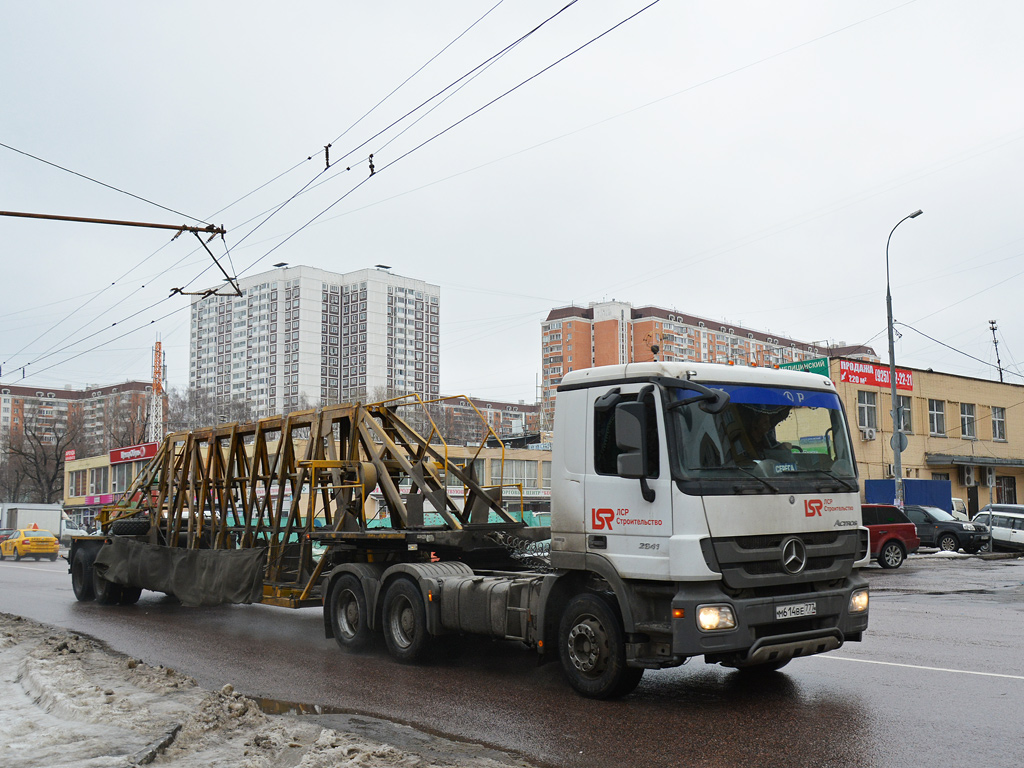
x,y
785,647
194,576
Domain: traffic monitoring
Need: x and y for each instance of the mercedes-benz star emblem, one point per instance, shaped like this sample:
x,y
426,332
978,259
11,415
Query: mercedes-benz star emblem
x,y
794,555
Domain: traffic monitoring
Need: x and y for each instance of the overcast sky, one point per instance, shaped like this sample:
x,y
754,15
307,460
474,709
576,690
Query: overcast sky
x,y
743,161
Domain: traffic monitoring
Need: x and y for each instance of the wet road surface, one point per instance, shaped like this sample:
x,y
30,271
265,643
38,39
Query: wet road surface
x,y
939,679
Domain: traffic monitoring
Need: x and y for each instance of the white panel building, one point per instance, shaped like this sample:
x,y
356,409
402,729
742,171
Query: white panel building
x,y
299,336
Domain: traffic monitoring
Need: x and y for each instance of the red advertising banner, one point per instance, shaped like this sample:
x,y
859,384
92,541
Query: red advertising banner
x,y
133,453
69,454
855,372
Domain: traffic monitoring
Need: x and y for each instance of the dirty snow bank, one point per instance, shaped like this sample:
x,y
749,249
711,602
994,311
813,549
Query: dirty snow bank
x,y
70,701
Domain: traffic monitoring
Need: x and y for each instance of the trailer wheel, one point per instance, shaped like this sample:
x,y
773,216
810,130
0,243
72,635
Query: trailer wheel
x,y
81,575
405,622
592,647
129,595
348,615
107,592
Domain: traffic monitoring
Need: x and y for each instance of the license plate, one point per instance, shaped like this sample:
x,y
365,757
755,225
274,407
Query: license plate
x,y
795,610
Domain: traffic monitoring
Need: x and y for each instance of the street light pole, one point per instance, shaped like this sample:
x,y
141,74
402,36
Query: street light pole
x,y
897,421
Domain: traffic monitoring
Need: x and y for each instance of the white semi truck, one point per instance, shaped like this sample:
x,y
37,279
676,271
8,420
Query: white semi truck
x,y
697,510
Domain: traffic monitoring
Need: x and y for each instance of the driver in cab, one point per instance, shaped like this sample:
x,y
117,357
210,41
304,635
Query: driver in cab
x,y
759,422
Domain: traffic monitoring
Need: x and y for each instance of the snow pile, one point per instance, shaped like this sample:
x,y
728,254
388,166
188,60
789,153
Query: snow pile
x,y
70,702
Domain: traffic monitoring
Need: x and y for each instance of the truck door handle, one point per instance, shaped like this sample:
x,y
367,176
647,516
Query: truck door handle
x,y
597,542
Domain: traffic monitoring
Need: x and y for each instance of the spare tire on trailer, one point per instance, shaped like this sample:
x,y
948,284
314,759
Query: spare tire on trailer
x,y
133,526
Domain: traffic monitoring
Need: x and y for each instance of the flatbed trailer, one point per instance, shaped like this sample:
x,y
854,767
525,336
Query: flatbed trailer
x,y
283,501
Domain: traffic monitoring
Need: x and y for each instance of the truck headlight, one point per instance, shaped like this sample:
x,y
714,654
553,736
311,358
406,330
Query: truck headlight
x,y
710,617
859,601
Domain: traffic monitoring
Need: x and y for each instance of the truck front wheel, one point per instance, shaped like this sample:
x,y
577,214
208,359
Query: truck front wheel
x,y
348,615
405,622
592,647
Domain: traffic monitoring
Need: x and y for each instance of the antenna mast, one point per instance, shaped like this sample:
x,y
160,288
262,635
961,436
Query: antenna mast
x,y
995,343
155,427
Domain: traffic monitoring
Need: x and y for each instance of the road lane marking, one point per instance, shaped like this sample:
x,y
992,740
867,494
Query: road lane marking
x,y
37,568
918,666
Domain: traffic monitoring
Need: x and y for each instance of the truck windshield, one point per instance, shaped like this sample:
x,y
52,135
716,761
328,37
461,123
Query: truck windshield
x,y
769,436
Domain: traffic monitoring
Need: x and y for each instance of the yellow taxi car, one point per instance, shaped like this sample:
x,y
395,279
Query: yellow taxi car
x,y
29,542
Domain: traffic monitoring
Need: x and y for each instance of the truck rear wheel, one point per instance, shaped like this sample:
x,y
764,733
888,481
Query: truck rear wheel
x,y
81,575
129,595
348,615
592,647
405,622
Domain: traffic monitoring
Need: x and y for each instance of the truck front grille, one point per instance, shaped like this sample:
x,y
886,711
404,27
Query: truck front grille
x,y
750,562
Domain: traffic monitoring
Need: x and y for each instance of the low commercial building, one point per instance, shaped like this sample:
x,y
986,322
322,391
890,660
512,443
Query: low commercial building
x,y
966,430
91,482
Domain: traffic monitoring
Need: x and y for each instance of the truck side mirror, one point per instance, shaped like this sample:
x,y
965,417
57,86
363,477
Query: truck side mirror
x,y
631,438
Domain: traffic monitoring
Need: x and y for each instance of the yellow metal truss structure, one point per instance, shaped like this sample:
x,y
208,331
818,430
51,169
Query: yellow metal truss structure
x,y
299,485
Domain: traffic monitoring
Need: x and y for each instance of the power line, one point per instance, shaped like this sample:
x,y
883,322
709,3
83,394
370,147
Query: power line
x,y
101,183
954,349
421,68
458,122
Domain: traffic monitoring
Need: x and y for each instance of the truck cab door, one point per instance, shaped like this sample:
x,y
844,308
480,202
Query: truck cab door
x,y
628,490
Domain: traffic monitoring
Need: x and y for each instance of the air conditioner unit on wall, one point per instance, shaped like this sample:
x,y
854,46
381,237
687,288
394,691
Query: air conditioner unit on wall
x,y
867,433
968,477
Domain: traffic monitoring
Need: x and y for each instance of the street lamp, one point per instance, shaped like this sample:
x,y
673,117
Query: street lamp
x,y
897,421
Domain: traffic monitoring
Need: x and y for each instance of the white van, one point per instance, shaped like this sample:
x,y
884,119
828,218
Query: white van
x,y
960,510
1006,521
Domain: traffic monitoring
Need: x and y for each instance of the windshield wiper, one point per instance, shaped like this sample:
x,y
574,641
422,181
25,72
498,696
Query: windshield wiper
x,y
771,487
842,481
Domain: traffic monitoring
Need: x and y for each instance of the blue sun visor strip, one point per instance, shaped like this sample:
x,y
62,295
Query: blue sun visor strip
x,y
771,396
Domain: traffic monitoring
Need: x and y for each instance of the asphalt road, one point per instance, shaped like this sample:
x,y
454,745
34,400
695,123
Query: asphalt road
x,y
938,681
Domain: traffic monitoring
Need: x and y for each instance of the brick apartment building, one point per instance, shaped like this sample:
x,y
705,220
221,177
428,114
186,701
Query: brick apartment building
x,y
615,333
107,417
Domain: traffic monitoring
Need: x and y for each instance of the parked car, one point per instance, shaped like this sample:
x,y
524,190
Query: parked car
x,y
937,528
6,533
1006,525
892,535
29,542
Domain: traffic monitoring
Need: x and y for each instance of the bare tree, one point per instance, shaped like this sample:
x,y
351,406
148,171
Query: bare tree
x,y
13,484
193,408
39,451
125,422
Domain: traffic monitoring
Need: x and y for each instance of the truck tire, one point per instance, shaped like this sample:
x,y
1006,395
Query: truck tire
x,y
592,648
81,575
405,622
130,527
107,592
348,615
892,555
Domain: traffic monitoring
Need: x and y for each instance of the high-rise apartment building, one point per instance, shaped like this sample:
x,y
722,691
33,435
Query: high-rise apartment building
x,y
614,333
300,335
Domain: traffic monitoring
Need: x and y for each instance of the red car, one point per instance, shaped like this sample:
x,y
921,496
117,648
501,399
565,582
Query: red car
x,y
893,536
